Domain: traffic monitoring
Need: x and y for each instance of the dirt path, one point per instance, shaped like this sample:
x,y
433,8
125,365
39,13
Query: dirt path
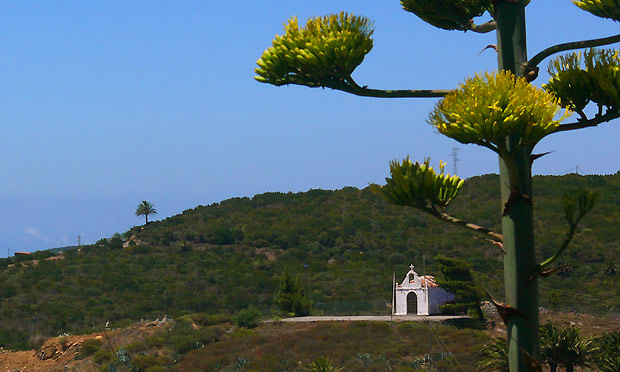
x,y
375,318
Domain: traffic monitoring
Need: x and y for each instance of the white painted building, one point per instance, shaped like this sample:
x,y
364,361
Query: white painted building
x,y
418,295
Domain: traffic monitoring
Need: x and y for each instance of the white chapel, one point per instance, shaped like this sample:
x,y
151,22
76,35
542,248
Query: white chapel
x,y
419,295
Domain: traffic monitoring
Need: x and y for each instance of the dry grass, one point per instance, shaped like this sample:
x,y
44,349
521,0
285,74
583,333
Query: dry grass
x,y
356,346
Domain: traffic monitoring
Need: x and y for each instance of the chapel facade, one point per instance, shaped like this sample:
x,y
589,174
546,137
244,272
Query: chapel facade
x,y
419,295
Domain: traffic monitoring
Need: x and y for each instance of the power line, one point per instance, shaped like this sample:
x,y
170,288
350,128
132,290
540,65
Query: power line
x,y
443,347
380,353
546,288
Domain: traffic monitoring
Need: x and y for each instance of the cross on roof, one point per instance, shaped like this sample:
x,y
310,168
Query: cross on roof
x,y
411,267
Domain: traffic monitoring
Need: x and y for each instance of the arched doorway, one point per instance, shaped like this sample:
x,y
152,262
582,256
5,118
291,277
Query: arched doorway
x,y
412,304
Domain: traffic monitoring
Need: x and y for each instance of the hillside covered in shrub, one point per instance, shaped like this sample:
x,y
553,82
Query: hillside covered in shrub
x,y
344,246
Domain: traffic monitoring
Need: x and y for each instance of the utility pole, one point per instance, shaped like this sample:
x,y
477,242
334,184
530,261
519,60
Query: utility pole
x,y
425,279
307,289
430,347
393,294
430,341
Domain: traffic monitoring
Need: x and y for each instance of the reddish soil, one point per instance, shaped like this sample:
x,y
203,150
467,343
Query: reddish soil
x,y
58,354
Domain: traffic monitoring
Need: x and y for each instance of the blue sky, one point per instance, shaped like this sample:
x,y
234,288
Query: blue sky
x,y
105,104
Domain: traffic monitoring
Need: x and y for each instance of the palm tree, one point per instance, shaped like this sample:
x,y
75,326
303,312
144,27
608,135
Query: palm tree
x,y
146,209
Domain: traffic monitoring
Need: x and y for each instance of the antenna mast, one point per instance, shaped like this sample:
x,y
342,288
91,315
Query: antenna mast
x,y
455,160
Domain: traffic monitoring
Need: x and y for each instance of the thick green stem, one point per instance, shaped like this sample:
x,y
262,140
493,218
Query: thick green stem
x,y
570,46
598,119
352,87
483,28
565,243
517,223
479,229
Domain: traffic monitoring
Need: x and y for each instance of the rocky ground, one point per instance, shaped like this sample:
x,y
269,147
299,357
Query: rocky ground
x,y
61,354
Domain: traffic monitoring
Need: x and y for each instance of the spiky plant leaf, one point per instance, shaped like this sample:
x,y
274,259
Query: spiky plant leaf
x,y
578,204
610,364
486,109
592,76
494,356
601,8
586,200
569,202
321,364
323,53
563,346
447,14
607,356
419,185
569,82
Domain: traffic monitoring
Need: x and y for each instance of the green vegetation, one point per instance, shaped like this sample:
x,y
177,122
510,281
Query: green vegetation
x,y
562,346
494,356
291,298
158,351
217,260
248,318
352,346
457,278
184,345
321,364
501,111
608,355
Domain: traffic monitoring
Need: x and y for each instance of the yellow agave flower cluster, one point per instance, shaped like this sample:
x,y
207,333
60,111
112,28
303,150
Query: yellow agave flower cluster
x,y
486,109
418,185
601,8
327,49
580,78
447,14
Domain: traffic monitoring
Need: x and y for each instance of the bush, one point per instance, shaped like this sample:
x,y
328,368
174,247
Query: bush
x,y
184,338
203,319
157,369
89,347
291,296
150,362
36,342
102,356
14,339
248,318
